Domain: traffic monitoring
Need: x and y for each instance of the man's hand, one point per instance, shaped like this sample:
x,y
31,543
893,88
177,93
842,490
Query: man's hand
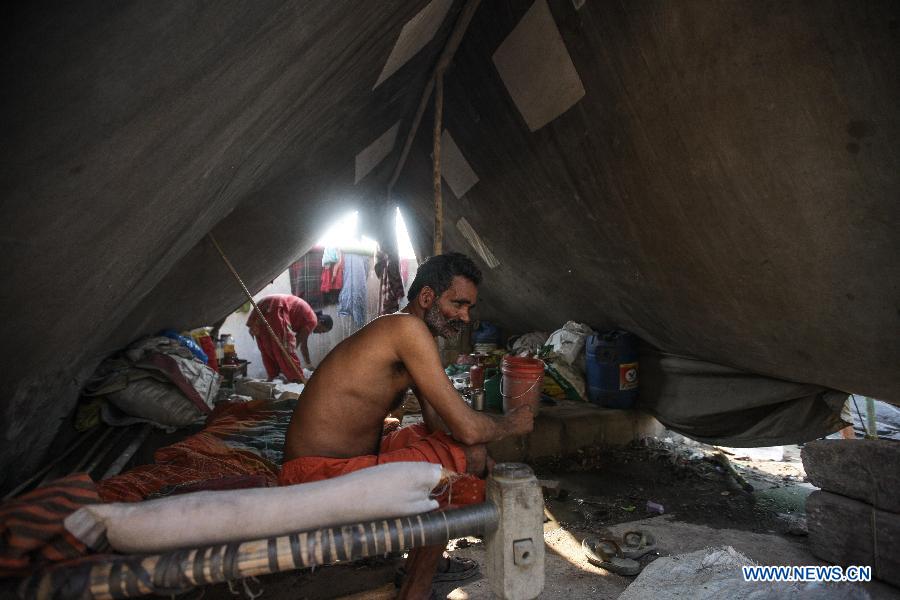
x,y
520,420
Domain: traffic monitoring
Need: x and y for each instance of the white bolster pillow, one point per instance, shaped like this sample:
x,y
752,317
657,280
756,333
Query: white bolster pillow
x,y
205,518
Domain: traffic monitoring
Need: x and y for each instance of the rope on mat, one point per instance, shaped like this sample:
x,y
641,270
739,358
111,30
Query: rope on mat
x,y
259,313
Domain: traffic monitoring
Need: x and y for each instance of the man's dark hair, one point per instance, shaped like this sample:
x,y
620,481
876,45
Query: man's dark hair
x,y
438,272
325,320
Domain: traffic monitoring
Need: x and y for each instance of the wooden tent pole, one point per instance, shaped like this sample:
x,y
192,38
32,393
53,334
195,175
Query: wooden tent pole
x,y
456,36
297,371
438,246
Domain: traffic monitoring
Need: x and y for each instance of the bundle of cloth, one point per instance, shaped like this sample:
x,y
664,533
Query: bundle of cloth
x,y
156,380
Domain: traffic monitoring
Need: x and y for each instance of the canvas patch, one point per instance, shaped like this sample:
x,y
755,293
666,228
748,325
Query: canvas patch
x,y
417,32
536,68
376,152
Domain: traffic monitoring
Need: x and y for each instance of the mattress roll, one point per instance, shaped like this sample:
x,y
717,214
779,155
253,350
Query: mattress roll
x,y
205,518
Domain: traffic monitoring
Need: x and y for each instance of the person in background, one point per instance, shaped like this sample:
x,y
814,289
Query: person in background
x,y
293,320
847,432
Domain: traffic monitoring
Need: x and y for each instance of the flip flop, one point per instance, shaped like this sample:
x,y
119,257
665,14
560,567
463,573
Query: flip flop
x,y
636,544
455,568
606,554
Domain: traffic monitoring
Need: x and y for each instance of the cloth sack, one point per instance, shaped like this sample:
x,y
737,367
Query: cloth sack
x,y
528,343
568,341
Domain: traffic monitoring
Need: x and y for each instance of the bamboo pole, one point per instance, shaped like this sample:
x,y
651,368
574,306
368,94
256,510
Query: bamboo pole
x,y
438,246
871,427
456,36
138,575
297,371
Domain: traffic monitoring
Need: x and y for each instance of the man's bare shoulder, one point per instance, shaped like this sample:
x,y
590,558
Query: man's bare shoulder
x,y
403,324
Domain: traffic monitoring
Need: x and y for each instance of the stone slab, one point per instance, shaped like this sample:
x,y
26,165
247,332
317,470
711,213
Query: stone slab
x,y
566,428
846,532
863,469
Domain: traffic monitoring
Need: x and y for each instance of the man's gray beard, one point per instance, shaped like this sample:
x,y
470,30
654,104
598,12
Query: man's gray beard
x,y
438,325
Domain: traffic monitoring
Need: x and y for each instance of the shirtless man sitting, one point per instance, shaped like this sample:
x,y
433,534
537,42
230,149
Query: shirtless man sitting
x,y
337,425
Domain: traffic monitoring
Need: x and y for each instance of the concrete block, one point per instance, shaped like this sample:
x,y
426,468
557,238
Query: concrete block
x,y
546,439
862,469
515,549
566,428
511,449
847,532
584,428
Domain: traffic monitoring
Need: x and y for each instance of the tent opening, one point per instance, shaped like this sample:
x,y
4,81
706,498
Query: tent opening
x,y
337,277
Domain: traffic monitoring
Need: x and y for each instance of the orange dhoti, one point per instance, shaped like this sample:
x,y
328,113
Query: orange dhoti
x,y
408,444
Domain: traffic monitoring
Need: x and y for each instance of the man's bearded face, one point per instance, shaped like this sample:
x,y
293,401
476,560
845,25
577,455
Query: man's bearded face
x,y
439,325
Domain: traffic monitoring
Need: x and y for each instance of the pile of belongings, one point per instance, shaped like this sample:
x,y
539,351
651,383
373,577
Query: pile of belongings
x,y
155,380
563,354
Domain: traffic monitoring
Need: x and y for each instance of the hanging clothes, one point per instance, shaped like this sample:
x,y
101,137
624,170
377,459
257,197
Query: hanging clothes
x,y
352,300
391,283
332,279
306,278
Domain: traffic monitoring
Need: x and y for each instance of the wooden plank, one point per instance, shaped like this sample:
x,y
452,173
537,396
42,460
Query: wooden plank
x,y
862,469
847,532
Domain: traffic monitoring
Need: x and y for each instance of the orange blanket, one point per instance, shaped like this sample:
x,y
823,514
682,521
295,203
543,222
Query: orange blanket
x,y
408,444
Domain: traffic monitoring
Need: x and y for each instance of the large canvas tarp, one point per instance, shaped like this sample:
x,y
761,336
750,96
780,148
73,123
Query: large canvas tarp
x,y
720,179
721,405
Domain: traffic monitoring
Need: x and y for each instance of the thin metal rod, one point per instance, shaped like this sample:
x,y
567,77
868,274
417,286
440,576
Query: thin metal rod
x,y
40,474
131,576
120,433
116,467
297,371
90,453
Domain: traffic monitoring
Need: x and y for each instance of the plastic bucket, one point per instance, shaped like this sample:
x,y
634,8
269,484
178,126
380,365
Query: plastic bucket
x,y
612,368
521,382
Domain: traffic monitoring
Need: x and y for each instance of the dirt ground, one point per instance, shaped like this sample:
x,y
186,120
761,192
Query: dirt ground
x,y
605,492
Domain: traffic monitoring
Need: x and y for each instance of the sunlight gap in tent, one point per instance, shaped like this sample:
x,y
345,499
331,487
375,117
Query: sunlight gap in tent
x,y
344,233
404,244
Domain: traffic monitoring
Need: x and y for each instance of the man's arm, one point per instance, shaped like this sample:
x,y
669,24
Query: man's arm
x,y
304,348
433,421
417,350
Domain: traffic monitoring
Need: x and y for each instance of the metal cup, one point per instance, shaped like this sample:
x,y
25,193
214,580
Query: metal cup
x,y
478,400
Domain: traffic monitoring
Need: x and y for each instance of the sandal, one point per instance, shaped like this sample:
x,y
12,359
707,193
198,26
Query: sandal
x,y
453,568
636,544
606,554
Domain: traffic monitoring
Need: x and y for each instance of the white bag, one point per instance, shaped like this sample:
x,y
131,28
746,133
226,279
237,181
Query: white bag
x,y
568,342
